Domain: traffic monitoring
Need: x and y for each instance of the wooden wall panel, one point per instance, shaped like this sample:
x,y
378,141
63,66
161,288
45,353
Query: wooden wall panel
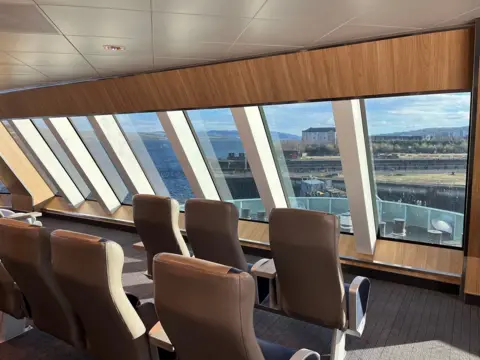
x,y
19,175
419,63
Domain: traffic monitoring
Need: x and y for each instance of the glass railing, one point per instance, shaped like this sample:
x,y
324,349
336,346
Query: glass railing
x,y
421,223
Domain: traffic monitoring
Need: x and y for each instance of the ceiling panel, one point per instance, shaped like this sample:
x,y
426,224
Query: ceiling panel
x,y
123,69
318,10
6,59
91,45
349,33
63,72
35,43
16,70
24,18
233,8
196,28
49,59
245,50
286,33
192,50
100,22
100,61
165,63
461,19
414,13
112,4
22,79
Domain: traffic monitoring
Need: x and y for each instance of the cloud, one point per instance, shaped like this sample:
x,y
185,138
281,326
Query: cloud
x,y
384,115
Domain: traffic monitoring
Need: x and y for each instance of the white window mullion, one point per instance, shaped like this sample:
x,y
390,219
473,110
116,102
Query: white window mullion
x,y
260,157
183,142
353,153
119,151
86,166
29,134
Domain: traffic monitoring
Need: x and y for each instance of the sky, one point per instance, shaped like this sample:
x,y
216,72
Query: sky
x,y
384,115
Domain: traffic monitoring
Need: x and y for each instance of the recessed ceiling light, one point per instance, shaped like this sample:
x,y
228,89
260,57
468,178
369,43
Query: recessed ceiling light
x,y
114,48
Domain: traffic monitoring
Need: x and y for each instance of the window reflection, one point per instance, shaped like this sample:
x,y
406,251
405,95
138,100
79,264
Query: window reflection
x,y
220,143
419,146
98,153
155,154
63,158
303,137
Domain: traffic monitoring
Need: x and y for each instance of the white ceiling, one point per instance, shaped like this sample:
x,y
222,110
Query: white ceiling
x,y
50,41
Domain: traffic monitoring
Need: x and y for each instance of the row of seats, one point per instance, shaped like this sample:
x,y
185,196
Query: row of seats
x,y
304,247
70,285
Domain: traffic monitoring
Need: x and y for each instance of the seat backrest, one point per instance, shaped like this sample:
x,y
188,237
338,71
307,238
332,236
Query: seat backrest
x,y
26,254
205,308
89,271
304,245
156,220
212,230
11,298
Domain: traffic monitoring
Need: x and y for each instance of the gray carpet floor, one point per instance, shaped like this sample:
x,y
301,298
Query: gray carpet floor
x,y
403,322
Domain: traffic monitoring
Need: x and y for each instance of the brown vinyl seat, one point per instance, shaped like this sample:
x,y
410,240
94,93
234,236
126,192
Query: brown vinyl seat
x,y
207,311
212,230
304,246
89,271
26,254
156,220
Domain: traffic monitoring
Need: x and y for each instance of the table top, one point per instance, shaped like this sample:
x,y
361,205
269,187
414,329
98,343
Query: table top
x,y
159,338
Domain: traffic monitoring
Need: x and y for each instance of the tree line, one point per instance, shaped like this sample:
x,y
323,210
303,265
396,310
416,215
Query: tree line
x,y
401,146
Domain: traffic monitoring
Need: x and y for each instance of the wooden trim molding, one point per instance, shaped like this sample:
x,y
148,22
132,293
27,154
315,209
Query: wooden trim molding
x,y
432,62
17,173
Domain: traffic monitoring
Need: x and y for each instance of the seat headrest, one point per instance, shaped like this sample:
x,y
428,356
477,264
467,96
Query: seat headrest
x,y
179,262
145,201
224,208
75,236
16,224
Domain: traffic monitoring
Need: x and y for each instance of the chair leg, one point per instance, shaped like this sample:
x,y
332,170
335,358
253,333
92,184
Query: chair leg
x,y
337,351
11,327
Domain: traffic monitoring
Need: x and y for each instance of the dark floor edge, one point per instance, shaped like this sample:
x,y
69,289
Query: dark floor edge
x,y
402,279
90,221
472,299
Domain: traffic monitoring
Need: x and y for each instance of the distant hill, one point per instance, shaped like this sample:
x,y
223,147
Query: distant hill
x,y
234,134
428,131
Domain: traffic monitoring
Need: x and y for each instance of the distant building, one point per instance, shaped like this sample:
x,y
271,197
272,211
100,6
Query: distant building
x,y
396,138
319,136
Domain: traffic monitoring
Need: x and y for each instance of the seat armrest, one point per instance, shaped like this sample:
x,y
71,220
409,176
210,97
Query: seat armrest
x,y
358,294
258,264
264,268
305,354
25,216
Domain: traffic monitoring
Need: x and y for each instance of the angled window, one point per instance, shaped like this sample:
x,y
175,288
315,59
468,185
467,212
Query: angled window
x,y
32,158
153,150
62,158
32,138
111,137
84,162
87,134
303,137
420,145
222,147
